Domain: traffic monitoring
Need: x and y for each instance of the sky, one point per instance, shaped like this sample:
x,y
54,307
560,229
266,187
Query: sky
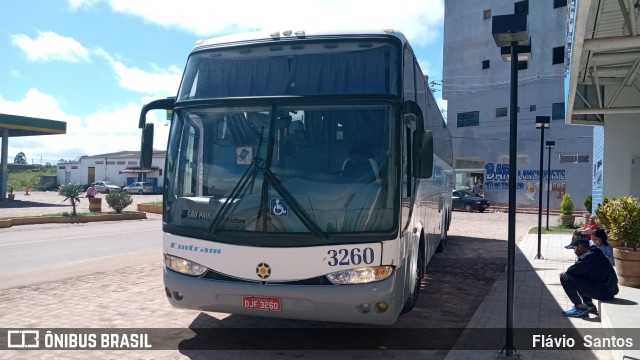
x,y
94,63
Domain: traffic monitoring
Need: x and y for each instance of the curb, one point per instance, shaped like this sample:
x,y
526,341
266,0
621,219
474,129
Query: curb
x,y
71,219
155,209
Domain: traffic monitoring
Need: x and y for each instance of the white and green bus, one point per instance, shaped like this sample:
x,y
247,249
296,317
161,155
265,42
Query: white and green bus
x,y
302,179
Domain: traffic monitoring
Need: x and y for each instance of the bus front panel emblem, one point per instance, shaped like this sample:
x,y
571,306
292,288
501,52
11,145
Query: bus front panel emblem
x,y
263,270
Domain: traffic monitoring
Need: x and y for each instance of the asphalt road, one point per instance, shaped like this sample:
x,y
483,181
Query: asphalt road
x,y
32,254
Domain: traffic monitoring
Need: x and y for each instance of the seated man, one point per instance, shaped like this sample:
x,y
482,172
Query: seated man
x,y
591,277
587,229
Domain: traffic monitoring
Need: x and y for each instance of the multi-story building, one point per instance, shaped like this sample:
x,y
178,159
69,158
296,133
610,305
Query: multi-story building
x,y
476,84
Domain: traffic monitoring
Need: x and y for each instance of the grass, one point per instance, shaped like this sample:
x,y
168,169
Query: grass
x,y
65,214
19,180
557,229
159,203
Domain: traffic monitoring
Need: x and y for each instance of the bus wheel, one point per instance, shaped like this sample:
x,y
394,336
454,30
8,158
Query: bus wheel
x,y
417,281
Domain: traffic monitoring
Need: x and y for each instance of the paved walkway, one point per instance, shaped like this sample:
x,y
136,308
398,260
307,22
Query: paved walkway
x,y
538,304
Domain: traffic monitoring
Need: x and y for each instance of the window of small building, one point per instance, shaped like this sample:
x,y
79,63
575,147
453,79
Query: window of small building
x,y
487,14
471,118
521,7
99,162
532,108
111,162
523,65
559,3
486,64
74,167
557,111
132,162
520,159
558,55
501,112
121,162
61,167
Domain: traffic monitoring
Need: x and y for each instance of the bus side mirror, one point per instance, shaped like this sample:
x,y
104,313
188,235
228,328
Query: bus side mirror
x,y
146,146
146,142
422,154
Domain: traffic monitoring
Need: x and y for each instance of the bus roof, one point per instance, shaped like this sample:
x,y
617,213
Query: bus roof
x,y
261,36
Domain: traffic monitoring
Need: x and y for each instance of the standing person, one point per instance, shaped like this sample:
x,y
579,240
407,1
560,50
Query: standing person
x,y
591,277
586,230
476,189
599,239
91,192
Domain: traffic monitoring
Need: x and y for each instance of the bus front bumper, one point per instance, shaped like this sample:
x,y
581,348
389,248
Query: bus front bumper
x,y
364,304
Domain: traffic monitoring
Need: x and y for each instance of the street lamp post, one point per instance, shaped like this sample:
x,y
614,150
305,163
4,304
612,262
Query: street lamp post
x,y
542,122
511,31
550,145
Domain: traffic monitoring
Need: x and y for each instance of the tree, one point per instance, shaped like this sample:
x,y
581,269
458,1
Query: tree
x,y
20,158
72,193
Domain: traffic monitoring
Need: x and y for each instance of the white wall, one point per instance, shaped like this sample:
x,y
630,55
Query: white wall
x,y
621,145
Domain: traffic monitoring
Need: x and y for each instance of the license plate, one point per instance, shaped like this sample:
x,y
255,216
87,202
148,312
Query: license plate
x,y
261,303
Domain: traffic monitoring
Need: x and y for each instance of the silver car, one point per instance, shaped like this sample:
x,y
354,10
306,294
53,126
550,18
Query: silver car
x,y
139,188
106,186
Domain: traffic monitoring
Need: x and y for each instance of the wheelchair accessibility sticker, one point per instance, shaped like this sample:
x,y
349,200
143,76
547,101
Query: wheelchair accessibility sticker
x,y
278,207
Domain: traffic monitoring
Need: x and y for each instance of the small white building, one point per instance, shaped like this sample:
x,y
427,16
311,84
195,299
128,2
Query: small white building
x,y
121,168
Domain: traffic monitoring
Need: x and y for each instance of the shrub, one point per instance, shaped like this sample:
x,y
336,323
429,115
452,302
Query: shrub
x,y
118,200
588,203
602,214
624,217
566,205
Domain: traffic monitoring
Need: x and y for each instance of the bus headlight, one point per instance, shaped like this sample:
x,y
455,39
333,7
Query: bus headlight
x,y
360,275
183,266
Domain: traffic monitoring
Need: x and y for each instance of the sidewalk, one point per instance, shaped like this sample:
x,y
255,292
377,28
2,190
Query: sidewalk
x,y
539,301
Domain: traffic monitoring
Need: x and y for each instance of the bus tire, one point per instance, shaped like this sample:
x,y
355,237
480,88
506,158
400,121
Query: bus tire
x,y
412,300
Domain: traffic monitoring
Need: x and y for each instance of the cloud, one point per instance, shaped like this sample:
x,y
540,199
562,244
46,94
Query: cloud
x,y
49,46
419,20
82,4
107,130
159,82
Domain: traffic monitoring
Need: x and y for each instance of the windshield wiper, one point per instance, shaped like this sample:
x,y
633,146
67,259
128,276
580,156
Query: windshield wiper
x,y
304,217
248,175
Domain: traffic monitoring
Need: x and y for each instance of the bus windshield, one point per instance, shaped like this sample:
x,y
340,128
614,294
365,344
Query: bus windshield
x,y
309,170
292,68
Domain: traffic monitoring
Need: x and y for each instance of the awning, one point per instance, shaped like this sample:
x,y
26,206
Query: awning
x,y
137,170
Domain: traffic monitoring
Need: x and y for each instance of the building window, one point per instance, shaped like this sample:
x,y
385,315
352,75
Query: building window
x,y
121,162
469,163
558,55
557,111
486,64
111,162
574,158
501,112
487,14
74,167
532,108
132,162
559,3
100,162
61,167
471,118
520,160
521,7
160,172
523,65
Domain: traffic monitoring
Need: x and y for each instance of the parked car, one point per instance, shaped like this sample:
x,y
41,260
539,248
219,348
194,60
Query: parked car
x,y
106,186
465,200
139,188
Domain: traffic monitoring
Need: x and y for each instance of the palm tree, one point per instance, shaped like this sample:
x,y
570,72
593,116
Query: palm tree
x,y
72,193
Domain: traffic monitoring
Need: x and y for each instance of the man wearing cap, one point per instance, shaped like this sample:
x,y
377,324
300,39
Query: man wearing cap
x,y
586,230
591,277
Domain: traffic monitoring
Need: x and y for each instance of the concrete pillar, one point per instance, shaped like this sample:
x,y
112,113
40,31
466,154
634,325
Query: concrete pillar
x,y
4,171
